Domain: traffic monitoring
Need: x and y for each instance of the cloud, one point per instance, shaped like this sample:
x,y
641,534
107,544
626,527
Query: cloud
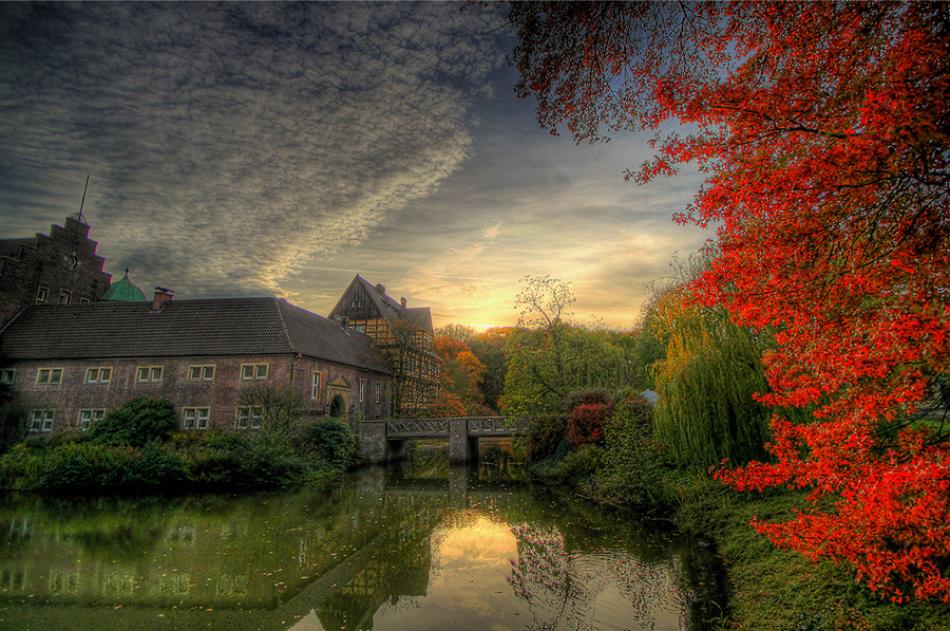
x,y
231,146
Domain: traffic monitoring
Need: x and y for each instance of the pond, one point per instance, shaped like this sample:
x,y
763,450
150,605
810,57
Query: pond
x,y
410,547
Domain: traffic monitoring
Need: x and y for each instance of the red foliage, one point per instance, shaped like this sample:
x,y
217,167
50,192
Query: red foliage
x,y
823,130
585,423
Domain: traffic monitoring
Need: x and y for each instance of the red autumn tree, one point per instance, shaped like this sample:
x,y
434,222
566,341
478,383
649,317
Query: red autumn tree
x,y
822,128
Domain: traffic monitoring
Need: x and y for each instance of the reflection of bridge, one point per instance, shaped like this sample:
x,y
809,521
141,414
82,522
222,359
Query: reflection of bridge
x,y
382,441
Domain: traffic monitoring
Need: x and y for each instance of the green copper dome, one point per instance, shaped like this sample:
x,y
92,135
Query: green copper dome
x,y
124,291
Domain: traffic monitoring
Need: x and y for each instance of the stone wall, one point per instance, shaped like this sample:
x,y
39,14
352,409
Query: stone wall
x,y
222,394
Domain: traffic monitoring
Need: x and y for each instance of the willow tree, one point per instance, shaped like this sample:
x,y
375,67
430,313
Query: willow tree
x,y
706,382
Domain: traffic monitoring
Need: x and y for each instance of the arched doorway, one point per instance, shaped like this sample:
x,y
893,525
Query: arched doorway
x,y
338,407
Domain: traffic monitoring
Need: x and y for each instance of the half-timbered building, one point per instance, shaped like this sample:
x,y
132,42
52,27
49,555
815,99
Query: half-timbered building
x,y
405,334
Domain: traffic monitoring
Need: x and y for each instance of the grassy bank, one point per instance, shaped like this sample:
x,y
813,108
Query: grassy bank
x,y
767,588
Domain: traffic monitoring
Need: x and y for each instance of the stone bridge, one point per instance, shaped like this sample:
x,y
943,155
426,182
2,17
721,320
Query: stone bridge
x,y
382,441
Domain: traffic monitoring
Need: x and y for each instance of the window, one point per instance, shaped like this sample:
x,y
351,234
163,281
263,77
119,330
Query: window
x,y
360,327
253,371
149,374
88,417
195,418
83,300
64,297
7,376
379,392
42,420
42,294
362,390
315,385
49,376
201,373
98,375
249,417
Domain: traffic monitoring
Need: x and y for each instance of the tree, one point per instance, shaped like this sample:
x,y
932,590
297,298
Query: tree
x,y
822,128
543,303
489,347
706,384
460,379
279,408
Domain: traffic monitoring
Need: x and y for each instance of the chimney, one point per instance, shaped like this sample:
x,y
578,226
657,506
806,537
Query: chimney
x,y
162,295
381,288
402,301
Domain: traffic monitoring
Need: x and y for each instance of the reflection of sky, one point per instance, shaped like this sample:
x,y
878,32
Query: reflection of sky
x,y
282,148
469,588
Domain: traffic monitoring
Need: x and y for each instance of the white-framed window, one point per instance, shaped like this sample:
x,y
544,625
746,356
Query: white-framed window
x,y
195,418
253,371
379,392
42,294
149,374
315,378
98,375
249,417
83,300
42,420
8,376
88,417
49,376
204,372
64,297
362,390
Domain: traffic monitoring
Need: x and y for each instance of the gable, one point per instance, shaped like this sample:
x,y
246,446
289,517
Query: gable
x,y
356,303
338,382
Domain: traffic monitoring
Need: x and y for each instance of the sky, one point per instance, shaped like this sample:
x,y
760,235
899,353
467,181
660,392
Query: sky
x,y
279,149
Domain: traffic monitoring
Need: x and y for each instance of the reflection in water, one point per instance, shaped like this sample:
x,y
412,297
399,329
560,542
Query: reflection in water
x,y
424,547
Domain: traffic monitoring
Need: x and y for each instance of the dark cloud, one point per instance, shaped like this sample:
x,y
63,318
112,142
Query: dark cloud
x,y
230,144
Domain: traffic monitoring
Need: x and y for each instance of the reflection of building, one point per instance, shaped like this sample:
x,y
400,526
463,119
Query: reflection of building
x,y
59,268
404,333
268,560
72,363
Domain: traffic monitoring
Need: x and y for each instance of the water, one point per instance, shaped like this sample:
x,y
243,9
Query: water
x,y
426,547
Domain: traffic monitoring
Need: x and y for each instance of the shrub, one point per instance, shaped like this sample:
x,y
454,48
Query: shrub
x,y
137,423
155,465
585,423
546,435
19,465
585,397
84,466
251,463
331,441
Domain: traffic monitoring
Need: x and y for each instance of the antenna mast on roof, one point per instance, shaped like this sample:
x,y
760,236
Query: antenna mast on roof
x,y
83,202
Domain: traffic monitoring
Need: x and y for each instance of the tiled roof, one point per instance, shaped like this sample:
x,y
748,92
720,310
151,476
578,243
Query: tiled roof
x,y
221,326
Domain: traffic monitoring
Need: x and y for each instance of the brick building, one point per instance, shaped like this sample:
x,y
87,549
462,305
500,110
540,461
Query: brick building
x,y
73,363
403,333
59,268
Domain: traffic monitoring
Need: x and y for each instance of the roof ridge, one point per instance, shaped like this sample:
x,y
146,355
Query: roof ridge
x,y
283,323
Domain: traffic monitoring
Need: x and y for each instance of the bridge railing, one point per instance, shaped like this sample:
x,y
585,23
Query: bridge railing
x,y
475,425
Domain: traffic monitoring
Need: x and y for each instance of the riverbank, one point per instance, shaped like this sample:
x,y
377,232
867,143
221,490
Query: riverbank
x,y
766,588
